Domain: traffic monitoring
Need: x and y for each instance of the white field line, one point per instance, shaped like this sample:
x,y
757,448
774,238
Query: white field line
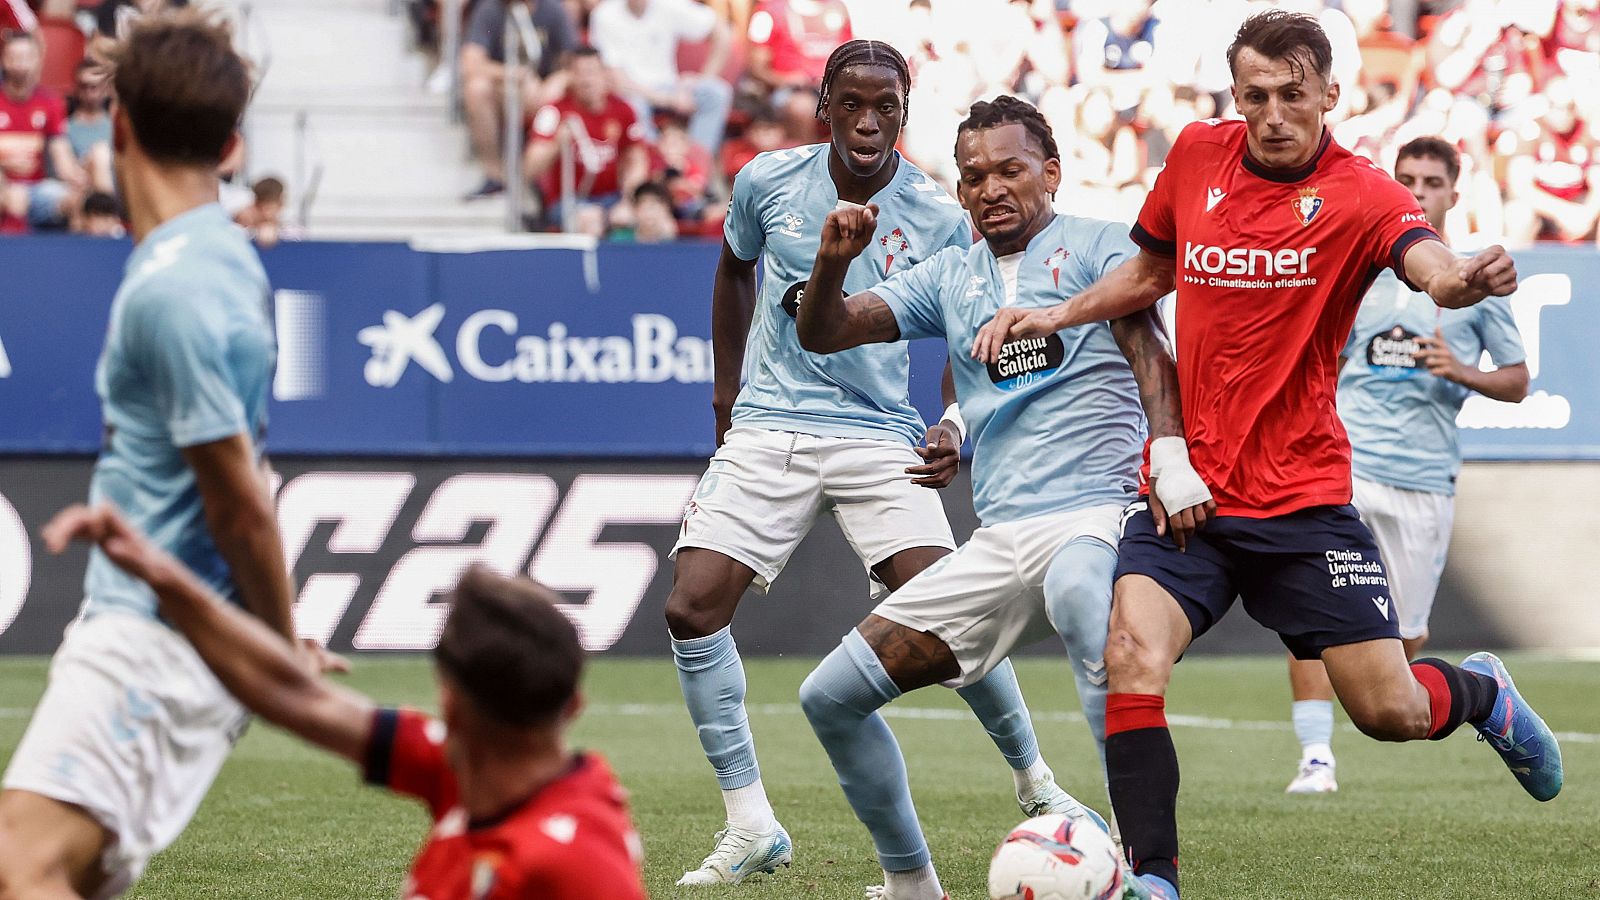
x,y
945,715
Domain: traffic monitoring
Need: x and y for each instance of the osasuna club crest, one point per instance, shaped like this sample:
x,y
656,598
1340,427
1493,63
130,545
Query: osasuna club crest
x,y
1307,205
894,242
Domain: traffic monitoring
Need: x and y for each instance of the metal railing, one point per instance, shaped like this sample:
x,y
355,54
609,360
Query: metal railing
x,y
523,49
308,166
450,52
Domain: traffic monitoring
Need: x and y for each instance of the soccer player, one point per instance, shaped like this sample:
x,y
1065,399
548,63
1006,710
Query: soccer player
x,y
1271,232
516,813
132,728
1404,373
1057,435
809,433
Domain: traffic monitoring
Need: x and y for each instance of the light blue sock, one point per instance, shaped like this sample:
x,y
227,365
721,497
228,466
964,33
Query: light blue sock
x,y
1313,725
1077,596
712,679
841,697
997,702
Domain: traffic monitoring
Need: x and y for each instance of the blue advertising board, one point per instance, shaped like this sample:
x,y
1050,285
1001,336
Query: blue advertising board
x,y
387,349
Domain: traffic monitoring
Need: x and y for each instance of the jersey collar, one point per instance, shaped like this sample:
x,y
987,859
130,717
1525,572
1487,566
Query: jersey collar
x,y
1287,176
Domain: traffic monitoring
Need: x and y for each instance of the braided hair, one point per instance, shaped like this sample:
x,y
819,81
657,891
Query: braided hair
x,y
1006,109
865,53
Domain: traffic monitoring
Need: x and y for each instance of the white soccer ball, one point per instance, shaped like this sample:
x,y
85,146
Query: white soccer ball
x,y
1055,858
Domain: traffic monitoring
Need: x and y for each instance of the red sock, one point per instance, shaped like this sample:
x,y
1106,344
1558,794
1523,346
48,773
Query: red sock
x,y
1129,712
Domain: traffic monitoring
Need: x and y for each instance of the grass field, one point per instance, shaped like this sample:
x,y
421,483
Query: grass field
x,y
1414,821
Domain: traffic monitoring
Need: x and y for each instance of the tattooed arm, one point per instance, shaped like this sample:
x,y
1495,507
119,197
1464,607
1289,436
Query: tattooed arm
x,y
828,321
1139,337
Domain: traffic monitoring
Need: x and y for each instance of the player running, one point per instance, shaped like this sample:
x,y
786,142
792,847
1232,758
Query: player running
x,y
516,814
132,728
1270,232
1058,434
810,433
1406,370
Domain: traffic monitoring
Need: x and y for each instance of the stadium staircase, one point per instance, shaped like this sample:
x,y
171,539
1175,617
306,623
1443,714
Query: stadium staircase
x,y
343,91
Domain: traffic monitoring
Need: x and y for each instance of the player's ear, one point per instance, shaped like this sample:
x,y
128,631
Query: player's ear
x,y
1331,98
1052,176
1455,197
574,707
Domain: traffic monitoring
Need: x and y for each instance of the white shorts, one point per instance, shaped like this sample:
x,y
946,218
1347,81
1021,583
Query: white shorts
x,y
763,490
132,728
987,598
1412,529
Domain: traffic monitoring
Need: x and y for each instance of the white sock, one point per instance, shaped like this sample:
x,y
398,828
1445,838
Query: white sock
x,y
1031,777
1319,752
916,884
748,808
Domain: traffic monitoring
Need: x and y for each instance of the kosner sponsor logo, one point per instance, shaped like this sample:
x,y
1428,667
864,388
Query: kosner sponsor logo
x,y
513,523
653,352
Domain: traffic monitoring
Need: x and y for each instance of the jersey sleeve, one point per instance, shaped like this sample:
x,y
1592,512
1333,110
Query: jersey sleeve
x,y
56,118
1395,222
1111,247
961,236
1156,228
183,351
1498,332
742,228
405,753
694,21
913,296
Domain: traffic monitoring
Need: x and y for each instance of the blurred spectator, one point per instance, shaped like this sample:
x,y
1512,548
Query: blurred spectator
x,y
762,133
1489,51
89,124
1551,172
609,152
15,15
1117,50
639,41
100,217
33,132
483,55
1574,42
684,167
263,219
790,41
590,219
113,17
653,221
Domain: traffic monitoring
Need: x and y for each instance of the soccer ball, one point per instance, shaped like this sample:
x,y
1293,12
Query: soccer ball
x,y
1055,858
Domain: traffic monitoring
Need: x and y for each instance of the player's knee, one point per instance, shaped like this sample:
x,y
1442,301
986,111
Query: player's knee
x,y
821,710
1134,665
695,614
1391,719
1078,599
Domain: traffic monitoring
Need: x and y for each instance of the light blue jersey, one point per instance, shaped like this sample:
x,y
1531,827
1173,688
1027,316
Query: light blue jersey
x,y
780,200
188,360
1401,419
1056,423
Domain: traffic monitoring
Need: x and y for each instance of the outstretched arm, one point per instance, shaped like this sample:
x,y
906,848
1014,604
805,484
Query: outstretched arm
x,y
1174,485
733,304
1454,282
828,321
1135,285
251,660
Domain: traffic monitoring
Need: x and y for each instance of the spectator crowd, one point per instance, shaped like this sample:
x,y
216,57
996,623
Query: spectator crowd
x,y
636,103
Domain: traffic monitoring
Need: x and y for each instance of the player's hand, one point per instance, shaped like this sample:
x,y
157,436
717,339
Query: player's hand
x,y
1180,501
322,659
847,232
1492,271
724,422
104,525
1436,357
1185,523
941,458
1011,323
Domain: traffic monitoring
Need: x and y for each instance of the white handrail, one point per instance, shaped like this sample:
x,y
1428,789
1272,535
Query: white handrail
x,y
522,49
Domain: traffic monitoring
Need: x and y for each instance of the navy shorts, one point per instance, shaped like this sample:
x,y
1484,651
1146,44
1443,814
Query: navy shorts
x,y
1314,575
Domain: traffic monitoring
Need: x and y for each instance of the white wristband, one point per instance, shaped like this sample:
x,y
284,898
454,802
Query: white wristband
x,y
1176,482
952,414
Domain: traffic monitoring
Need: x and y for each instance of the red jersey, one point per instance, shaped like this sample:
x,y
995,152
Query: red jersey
x,y
1271,267
801,34
26,128
571,840
612,130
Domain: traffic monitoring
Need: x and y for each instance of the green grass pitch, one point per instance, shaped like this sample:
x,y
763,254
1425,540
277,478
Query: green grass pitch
x,y
1423,820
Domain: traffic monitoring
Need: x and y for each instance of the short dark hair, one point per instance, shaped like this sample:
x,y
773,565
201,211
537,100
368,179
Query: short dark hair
x,y
1431,147
508,649
653,189
865,53
183,86
7,38
268,190
1005,110
100,203
1295,38
584,50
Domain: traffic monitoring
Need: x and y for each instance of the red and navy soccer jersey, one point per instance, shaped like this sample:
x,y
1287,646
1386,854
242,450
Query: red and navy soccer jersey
x,y
1271,268
572,839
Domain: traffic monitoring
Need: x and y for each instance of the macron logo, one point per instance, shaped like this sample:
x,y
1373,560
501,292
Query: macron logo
x,y
1382,603
1213,197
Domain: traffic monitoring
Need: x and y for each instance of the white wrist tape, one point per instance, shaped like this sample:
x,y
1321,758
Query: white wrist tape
x,y
1176,482
952,414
